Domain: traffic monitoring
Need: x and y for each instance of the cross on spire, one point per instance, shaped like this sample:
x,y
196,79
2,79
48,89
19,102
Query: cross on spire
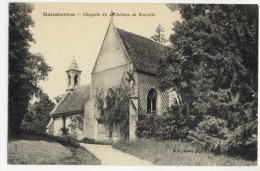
x,y
112,14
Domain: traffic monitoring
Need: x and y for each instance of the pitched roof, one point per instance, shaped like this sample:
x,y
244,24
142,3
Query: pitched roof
x,y
144,52
73,101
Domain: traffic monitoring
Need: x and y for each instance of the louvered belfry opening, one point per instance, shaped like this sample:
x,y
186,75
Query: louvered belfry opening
x,y
76,80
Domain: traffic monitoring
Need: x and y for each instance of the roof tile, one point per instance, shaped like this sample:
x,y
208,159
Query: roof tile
x,y
144,52
74,101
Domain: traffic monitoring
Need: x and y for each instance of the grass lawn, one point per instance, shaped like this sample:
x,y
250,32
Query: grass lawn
x,y
45,151
176,153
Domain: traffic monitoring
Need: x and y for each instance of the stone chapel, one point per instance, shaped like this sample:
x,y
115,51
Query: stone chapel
x,y
122,53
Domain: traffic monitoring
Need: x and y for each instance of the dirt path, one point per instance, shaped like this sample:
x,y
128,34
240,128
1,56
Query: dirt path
x,y
109,156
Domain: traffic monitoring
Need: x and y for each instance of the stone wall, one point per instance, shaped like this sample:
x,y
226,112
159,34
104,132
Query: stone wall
x,y
89,119
57,125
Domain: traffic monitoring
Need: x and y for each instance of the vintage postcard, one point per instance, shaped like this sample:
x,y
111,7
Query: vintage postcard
x,y
132,84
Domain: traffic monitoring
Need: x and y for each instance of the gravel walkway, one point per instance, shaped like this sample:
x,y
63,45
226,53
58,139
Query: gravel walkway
x,y
110,156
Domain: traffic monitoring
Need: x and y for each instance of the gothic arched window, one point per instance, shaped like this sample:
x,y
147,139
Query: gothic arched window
x,y
152,101
76,80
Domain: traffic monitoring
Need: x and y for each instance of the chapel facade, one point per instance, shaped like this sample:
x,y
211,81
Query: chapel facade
x,y
126,58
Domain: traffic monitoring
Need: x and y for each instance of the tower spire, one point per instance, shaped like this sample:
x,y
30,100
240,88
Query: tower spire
x,y
73,65
73,75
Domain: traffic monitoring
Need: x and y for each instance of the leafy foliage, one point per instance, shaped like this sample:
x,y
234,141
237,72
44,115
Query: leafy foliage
x,y
58,98
244,142
204,48
212,63
169,126
77,125
114,110
64,132
200,55
38,116
25,69
212,134
159,36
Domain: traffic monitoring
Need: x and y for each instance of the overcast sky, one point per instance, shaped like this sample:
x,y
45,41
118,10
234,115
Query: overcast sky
x,y
59,38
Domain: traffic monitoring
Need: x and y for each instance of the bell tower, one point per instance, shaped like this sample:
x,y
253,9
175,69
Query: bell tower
x,y
73,75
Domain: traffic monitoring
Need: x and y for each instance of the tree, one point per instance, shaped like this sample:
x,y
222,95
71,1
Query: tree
x,y
159,36
38,116
209,63
28,118
25,69
212,63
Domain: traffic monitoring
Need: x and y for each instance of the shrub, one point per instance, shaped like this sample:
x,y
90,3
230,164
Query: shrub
x,y
214,135
165,127
64,132
244,142
66,141
114,110
76,126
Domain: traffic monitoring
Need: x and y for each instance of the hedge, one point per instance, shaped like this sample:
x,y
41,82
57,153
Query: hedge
x,y
163,127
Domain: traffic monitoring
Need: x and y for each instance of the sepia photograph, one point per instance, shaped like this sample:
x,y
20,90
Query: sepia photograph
x,y
132,84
